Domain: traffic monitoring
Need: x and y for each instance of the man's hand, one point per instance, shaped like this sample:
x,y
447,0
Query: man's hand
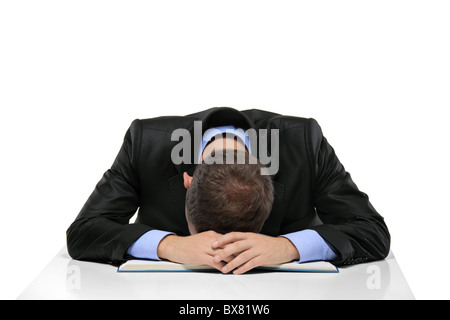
x,y
194,249
245,250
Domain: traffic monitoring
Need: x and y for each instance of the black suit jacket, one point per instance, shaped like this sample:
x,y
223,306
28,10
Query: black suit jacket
x,y
310,184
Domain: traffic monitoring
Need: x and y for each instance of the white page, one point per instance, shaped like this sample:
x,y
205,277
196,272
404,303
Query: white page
x,y
151,265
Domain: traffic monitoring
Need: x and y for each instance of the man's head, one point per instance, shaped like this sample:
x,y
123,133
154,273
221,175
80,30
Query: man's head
x,y
229,196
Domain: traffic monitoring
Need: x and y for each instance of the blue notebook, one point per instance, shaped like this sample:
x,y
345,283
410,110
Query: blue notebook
x,y
166,266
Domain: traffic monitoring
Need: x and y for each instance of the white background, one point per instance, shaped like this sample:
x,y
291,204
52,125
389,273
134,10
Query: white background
x,y
74,74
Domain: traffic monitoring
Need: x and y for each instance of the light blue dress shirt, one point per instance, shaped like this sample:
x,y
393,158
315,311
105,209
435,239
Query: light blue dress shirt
x,y
310,245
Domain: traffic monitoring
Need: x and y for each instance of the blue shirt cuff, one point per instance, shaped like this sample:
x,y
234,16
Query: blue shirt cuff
x,y
147,245
311,246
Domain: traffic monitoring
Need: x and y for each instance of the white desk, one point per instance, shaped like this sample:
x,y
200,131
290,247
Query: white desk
x,y
65,278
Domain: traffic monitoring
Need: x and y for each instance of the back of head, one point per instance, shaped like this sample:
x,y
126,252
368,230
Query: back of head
x,y
227,197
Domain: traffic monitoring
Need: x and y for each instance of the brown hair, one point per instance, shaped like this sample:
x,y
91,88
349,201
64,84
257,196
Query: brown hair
x,y
228,197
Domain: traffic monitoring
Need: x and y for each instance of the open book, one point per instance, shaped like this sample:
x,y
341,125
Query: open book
x,y
166,266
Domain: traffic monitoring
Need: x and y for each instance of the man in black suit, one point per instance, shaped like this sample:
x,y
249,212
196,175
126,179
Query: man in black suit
x,y
317,212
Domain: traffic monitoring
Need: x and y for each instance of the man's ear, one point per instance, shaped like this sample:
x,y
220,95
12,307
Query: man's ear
x,y
187,180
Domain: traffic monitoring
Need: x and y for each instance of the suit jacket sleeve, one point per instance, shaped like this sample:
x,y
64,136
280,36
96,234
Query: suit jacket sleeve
x,y
101,232
352,226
